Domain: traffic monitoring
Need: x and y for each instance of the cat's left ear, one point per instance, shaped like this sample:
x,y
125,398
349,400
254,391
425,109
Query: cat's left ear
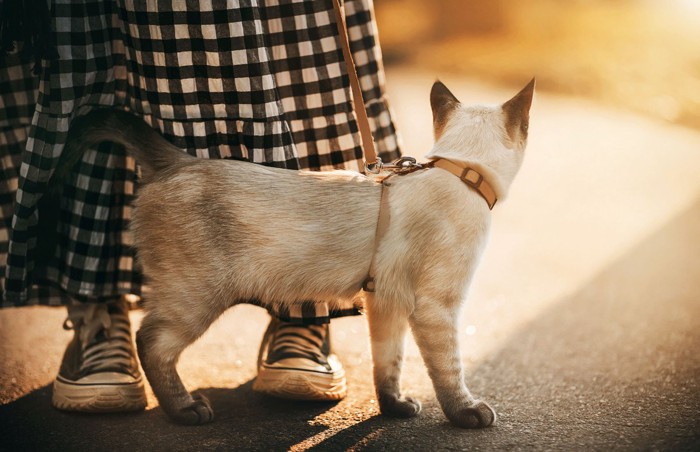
x,y
517,114
443,103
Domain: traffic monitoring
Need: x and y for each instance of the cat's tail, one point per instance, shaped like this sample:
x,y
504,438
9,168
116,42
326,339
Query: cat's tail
x,y
148,147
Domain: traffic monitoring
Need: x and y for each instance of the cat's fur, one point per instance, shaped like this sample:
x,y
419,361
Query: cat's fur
x,y
213,233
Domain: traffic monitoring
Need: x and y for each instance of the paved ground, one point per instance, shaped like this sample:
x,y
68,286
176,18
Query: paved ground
x,y
581,328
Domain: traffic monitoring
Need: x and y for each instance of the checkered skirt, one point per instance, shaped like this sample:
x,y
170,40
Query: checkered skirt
x,y
261,80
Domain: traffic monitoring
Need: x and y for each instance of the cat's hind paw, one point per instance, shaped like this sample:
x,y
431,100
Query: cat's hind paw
x,y
478,415
196,413
402,407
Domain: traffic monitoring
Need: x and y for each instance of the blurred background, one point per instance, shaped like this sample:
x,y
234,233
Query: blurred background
x,y
642,55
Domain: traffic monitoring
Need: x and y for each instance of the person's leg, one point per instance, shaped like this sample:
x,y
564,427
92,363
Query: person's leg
x,y
99,372
295,363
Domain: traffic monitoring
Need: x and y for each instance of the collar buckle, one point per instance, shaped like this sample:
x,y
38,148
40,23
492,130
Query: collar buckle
x,y
471,177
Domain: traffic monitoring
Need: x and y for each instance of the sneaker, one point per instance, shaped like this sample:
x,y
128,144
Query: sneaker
x,y
295,363
99,372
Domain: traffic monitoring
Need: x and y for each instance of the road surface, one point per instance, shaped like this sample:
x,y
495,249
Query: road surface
x,y
582,328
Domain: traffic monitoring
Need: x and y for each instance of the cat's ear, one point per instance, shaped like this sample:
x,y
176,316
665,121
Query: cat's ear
x,y
443,103
517,114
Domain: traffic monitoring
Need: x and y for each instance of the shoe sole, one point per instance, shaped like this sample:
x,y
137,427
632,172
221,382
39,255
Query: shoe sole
x,y
300,385
117,398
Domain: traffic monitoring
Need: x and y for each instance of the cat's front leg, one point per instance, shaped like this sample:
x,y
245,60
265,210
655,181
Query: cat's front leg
x,y
434,325
387,333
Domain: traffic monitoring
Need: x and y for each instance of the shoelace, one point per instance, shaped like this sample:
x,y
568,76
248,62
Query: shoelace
x,y
105,337
295,341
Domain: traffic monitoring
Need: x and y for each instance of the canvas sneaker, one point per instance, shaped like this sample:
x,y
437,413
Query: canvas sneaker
x,y
99,372
295,362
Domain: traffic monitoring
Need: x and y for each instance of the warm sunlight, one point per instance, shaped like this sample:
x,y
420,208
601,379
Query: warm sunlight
x,y
580,329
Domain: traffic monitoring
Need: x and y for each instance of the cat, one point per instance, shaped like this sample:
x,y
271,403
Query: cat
x,y
213,233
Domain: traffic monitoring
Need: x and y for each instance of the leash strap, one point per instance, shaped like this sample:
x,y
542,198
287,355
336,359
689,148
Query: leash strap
x,y
369,151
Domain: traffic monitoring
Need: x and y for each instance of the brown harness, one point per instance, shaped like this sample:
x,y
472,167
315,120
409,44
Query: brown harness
x,y
407,165
403,166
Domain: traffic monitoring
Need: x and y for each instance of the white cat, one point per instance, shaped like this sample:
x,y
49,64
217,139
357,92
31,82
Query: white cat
x,y
213,233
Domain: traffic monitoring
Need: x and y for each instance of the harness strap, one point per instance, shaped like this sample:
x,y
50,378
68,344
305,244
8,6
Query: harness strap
x,y
472,178
360,111
468,175
382,225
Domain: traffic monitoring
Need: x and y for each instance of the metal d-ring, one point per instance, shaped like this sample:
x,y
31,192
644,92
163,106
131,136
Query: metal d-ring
x,y
374,168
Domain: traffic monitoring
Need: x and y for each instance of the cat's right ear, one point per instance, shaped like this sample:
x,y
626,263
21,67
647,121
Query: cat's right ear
x,y
517,115
443,103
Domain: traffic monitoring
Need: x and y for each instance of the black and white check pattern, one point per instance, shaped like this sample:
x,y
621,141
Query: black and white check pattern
x,y
262,80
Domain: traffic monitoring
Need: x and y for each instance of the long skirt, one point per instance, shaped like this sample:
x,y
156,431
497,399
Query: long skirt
x,y
259,80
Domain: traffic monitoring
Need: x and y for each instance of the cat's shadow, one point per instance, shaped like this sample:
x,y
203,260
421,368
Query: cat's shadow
x,y
243,420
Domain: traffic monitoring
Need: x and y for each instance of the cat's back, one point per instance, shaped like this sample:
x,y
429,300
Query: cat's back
x,y
201,189
237,175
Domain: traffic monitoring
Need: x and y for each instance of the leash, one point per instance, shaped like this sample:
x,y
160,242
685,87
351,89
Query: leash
x,y
404,165
373,163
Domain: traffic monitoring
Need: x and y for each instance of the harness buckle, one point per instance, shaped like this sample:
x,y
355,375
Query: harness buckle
x,y
404,165
465,178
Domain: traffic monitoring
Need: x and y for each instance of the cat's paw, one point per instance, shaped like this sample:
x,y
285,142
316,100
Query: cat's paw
x,y
477,415
196,413
403,407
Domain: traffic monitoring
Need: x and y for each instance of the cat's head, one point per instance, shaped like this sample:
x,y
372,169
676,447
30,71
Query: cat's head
x,y
491,138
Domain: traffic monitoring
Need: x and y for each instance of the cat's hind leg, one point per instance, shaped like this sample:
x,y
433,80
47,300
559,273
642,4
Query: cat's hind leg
x,y
168,327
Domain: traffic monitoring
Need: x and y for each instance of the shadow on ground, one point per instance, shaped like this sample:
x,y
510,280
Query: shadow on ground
x,y
615,365
244,420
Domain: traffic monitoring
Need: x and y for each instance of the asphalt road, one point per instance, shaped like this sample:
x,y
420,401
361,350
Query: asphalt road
x,y
582,327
